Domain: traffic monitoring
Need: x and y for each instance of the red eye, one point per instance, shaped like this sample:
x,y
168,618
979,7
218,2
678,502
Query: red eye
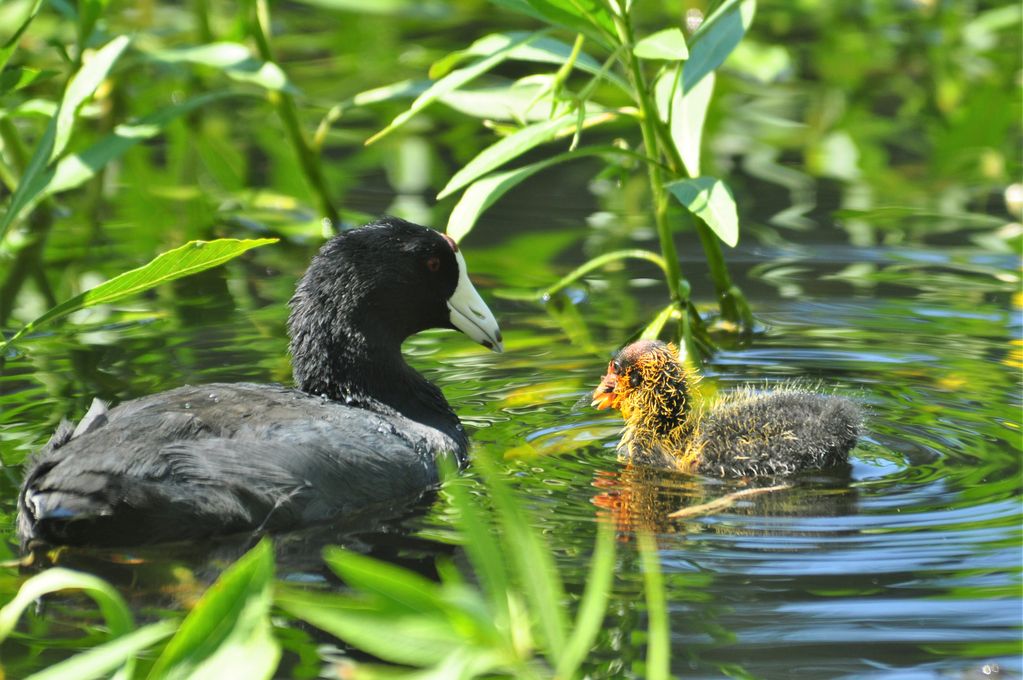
x,y
433,264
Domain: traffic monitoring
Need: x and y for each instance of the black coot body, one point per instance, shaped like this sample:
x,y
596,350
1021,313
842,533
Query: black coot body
x,y
362,431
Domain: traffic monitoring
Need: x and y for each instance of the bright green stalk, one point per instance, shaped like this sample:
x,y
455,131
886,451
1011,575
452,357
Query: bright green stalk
x,y
647,121
734,306
288,113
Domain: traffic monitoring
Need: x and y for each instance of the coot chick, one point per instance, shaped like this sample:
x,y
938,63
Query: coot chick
x,y
360,433
742,434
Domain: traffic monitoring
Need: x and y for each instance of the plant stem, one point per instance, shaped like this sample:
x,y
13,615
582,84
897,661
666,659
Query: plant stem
x,y
647,115
731,300
288,113
28,260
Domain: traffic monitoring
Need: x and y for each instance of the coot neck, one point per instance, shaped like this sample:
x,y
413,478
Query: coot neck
x,y
345,367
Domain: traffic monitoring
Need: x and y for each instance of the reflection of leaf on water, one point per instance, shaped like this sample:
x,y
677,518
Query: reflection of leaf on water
x,y
899,213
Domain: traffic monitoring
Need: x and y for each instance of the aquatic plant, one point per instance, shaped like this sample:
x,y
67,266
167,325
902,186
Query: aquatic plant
x,y
512,624
652,92
53,167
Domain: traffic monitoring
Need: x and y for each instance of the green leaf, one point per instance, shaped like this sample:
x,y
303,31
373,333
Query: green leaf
x,y
716,38
593,607
658,650
7,49
669,44
404,589
76,169
100,661
453,81
417,640
228,632
234,60
654,328
82,86
685,113
89,12
542,50
401,90
532,562
420,9
58,132
526,101
709,199
193,257
484,192
15,79
480,544
504,150
601,261
589,17
111,604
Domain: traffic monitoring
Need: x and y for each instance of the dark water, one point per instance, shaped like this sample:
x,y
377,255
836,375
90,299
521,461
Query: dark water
x,y
908,567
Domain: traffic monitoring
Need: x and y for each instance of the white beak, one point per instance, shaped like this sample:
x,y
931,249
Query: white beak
x,y
470,314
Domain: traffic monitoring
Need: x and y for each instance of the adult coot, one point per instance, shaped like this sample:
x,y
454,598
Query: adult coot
x,y
743,434
361,431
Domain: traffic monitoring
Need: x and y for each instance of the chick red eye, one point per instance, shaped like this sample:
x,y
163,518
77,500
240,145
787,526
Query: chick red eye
x,y
616,367
433,264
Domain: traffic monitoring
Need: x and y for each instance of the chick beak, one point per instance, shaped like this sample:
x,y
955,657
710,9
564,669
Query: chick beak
x,y
605,396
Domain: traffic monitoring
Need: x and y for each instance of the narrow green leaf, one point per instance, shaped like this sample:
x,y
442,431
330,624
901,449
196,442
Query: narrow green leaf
x,y
542,50
593,607
684,112
76,169
231,58
82,86
669,45
654,328
58,132
453,81
484,192
658,650
601,261
589,17
15,79
111,604
403,89
716,38
504,150
193,257
402,588
101,660
418,640
526,101
32,182
421,9
532,562
228,632
480,545
7,49
709,199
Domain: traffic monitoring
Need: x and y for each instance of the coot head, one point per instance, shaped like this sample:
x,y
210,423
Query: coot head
x,y
647,377
370,288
